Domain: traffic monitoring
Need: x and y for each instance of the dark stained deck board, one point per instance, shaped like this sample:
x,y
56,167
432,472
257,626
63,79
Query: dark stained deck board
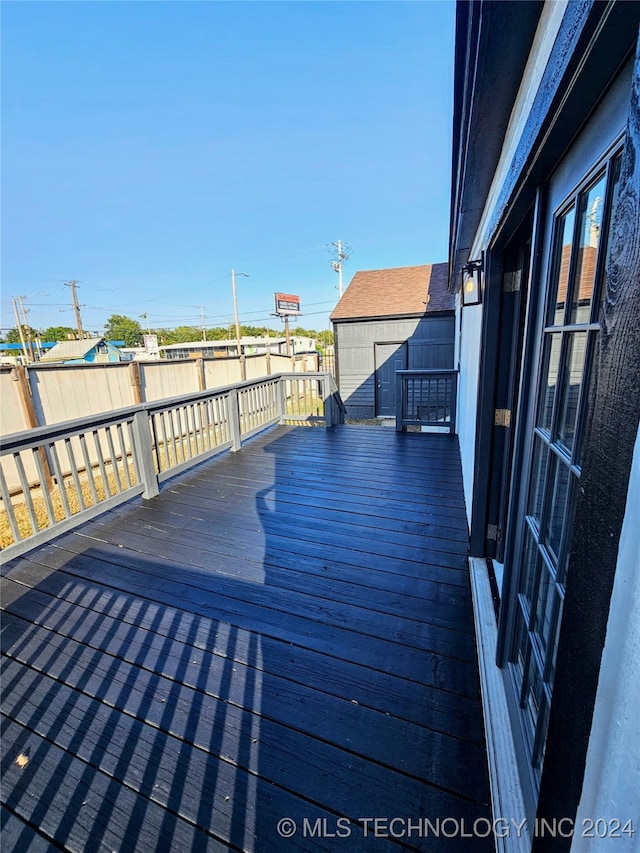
x,y
102,625
392,655
173,631
429,550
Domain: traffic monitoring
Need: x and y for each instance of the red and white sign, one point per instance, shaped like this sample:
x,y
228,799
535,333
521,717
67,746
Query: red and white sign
x,y
286,303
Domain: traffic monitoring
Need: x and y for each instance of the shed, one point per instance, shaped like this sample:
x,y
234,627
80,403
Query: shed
x,y
389,320
87,351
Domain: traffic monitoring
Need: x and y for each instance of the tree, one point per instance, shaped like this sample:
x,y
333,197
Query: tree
x,y
325,337
185,334
121,328
12,336
58,333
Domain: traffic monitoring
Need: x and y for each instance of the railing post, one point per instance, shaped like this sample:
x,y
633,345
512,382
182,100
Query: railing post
x,y
234,419
399,402
144,453
454,402
281,401
328,401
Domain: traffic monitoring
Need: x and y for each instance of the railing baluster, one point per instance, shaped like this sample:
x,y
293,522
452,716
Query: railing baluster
x,y
173,432
196,431
53,453
134,457
167,435
26,491
197,414
187,425
8,505
183,452
45,483
73,465
125,456
114,459
101,465
207,407
88,468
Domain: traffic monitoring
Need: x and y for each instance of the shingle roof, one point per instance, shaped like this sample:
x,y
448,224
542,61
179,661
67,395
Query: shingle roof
x,y
71,349
396,292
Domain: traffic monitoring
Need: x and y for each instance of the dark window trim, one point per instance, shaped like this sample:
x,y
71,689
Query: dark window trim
x,y
613,419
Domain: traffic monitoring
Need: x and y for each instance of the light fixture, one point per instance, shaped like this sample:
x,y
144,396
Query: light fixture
x,y
472,282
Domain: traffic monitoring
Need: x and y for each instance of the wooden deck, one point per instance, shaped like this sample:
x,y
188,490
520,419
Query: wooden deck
x,y
285,632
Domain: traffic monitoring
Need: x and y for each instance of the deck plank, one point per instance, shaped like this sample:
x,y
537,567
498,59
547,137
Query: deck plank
x,y
283,632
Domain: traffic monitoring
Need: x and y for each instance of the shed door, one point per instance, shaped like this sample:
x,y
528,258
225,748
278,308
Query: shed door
x,y
389,358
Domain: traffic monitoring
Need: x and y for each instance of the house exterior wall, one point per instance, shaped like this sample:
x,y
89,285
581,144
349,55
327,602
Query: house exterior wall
x,y
613,761
468,331
577,112
430,346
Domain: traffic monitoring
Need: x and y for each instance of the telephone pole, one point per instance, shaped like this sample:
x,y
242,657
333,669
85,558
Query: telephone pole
x,y
204,334
26,326
336,265
25,352
243,366
73,285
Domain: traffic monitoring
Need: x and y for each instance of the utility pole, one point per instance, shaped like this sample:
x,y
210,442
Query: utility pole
x,y
204,334
26,327
286,333
25,352
341,256
243,366
73,285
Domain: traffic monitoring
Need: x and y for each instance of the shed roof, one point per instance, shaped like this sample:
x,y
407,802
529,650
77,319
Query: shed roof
x,y
396,292
66,350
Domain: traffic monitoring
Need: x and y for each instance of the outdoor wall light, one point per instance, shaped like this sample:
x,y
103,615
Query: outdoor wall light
x,y
472,282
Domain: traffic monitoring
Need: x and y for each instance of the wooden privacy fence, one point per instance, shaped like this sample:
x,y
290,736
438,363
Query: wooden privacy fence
x,y
55,477
43,394
426,398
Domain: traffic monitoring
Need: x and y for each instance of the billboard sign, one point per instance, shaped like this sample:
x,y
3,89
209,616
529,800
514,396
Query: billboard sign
x,y
151,344
286,304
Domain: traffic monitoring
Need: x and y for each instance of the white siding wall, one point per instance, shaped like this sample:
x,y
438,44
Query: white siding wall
x,y
468,345
610,787
469,332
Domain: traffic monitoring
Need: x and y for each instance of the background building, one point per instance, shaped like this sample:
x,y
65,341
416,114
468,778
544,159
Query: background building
x,y
389,320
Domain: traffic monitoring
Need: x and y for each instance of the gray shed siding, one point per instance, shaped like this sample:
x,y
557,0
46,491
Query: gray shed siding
x,y
430,346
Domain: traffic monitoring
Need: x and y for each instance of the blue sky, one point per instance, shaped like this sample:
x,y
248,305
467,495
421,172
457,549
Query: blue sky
x,y
149,147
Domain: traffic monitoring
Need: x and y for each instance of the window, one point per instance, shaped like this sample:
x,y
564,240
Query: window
x,y
568,348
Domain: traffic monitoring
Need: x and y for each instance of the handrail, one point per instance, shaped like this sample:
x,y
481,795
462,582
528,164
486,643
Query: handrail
x,y
52,478
426,398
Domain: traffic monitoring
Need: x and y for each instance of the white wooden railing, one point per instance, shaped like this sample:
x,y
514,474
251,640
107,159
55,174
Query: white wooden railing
x,y
55,477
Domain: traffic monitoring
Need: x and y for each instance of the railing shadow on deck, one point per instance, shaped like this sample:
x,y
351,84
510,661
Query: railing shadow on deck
x,y
129,720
